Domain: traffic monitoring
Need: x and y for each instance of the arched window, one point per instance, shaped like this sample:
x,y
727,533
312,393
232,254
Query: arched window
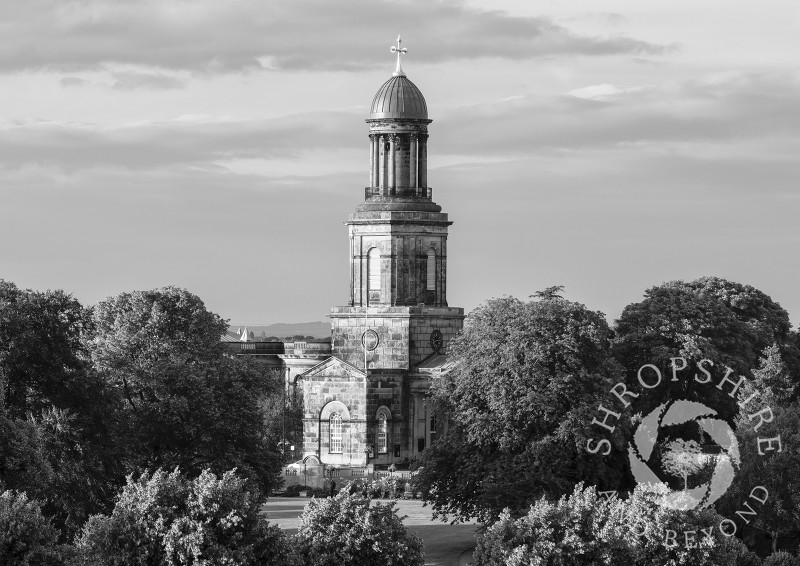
x,y
335,432
383,433
431,270
374,269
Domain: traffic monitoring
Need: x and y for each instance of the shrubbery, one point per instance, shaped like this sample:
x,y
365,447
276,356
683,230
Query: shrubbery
x,y
168,520
746,557
781,559
349,529
585,529
385,487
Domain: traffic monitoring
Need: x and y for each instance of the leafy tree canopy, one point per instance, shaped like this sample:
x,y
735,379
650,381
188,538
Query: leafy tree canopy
x,y
728,323
524,388
184,402
26,536
55,410
136,330
42,360
777,471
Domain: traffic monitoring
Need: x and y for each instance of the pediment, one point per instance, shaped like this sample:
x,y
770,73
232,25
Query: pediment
x,y
333,367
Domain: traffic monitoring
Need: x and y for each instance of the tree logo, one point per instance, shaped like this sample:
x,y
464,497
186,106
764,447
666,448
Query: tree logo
x,y
687,447
683,458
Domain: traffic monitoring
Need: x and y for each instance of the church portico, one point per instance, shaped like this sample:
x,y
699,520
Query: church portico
x,y
334,413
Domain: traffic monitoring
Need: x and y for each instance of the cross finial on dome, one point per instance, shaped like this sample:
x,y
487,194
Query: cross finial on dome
x,y
398,72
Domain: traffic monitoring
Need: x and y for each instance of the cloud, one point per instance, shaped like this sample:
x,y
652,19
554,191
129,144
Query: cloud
x,y
735,113
237,35
189,140
600,92
713,111
611,19
152,81
67,82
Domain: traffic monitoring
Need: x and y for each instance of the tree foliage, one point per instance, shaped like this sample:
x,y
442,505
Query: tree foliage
x,y
164,519
726,322
782,559
182,401
524,387
585,529
41,357
349,529
55,411
777,471
26,537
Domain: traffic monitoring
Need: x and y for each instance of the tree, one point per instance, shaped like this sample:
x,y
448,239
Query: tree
x,y
682,458
550,293
166,519
349,529
283,415
137,330
41,356
777,471
55,411
726,322
26,537
183,401
525,385
774,378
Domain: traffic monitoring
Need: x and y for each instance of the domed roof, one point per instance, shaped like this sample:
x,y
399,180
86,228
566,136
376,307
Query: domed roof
x,y
399,98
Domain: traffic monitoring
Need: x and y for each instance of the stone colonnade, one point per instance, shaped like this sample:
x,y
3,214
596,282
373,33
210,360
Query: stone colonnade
x,y
398,161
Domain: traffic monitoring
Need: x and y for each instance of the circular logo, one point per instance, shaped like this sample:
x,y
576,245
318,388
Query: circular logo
x,y
653,448
370,340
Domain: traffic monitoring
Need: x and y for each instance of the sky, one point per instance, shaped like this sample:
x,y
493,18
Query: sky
x,y
220,145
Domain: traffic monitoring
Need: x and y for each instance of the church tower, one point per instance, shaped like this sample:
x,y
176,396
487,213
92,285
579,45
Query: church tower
x,y
396,324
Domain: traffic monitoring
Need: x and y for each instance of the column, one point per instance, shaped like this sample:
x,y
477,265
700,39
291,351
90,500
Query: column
x,y
392,162
382,163
372,167
422,174
352,272
376,165
412,161
401,161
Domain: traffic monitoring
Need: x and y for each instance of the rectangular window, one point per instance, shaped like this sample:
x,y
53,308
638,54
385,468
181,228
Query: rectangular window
x,y
383,445
335,433
374,269
431,268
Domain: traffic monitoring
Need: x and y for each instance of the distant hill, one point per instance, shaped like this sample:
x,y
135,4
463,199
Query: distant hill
x,y
319,329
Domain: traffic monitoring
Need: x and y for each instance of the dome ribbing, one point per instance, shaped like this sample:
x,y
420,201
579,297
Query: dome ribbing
x,y
399,98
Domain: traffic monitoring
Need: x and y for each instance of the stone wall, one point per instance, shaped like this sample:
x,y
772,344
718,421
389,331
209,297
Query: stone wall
x,y
320,392
403,334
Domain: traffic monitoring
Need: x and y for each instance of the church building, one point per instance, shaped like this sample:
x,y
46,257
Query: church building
x,y
364,399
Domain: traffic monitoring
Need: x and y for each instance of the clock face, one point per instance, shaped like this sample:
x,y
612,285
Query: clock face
x,y
370,340
436,341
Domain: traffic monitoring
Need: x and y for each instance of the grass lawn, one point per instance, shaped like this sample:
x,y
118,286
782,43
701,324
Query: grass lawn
x,y
445,544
